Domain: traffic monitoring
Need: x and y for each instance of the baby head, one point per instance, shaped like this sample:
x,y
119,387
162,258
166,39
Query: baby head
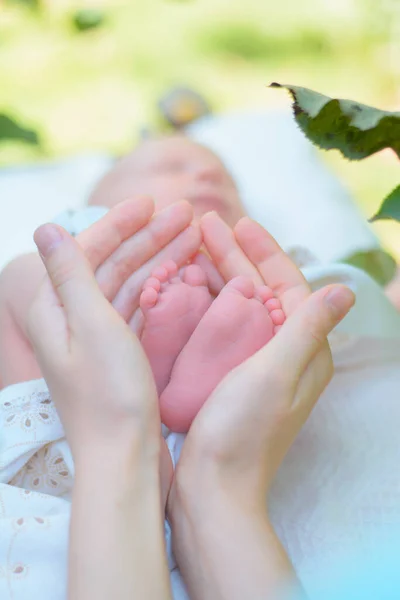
x,y
169,169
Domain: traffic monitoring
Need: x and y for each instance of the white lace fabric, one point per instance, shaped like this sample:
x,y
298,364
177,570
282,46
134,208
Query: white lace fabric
x,y
36,479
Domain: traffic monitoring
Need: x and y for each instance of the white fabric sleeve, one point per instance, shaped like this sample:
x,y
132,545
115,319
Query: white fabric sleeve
x,y
36,480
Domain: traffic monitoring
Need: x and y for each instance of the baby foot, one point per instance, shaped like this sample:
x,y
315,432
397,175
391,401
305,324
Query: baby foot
x,y
241,320
172,305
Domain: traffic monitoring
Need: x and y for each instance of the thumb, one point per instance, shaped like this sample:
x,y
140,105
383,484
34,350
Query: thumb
x,y
304,333
68,269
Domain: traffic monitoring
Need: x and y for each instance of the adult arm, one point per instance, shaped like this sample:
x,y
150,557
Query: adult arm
x,y
117,531
228,551
224,541
102,386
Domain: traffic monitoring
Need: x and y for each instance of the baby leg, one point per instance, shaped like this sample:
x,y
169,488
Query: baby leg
x,y
19,282
240,321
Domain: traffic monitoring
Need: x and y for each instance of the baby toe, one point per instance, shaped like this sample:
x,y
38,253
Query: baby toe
x,y
194,275
243,285
273,304
171,267
264,293
161,273
148,299
152,282
277,316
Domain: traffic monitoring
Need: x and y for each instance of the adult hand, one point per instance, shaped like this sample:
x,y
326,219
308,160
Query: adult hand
x,y
242,433
129,241
122,248
95,368
103,388
290,372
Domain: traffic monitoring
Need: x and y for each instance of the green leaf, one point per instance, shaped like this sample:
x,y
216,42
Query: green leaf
x,y
356,130
86,19
11,130
377,263
390,208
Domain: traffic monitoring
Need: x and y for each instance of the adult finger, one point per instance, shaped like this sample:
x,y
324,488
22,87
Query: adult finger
x,y
180,250
69,271
278,368
277,270
121,222
225,251
134,252
314,380
305,332
46,323
214,279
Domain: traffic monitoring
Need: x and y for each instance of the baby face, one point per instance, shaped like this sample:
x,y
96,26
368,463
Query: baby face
x,y
171,169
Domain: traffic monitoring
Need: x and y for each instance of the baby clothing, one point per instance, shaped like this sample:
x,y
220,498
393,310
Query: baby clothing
x,y
36,479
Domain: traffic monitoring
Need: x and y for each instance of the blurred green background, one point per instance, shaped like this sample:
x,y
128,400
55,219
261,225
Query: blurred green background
x,y
86,76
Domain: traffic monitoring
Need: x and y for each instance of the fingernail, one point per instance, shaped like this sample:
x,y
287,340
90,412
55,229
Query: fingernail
x,y
47,238
340,299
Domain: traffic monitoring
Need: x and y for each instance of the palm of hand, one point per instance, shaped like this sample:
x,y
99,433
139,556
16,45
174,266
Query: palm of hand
x,y
248,250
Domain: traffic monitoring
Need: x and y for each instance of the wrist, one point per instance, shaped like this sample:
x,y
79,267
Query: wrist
x,y
130,448
217,531
231,539
116,501
124,463
200,511
202,486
